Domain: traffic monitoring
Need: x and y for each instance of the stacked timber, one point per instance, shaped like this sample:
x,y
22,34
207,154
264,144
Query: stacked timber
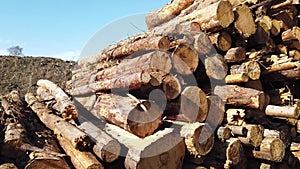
x,y
211,84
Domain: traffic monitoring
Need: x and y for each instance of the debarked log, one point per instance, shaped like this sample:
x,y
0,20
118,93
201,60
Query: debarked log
x,y
241,96
139,117
59,126
106,148
164,149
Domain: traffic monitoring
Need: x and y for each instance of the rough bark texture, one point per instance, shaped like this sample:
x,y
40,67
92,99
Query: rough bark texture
x,y
136,116
164,149
64,103
155,18
78,139
241,96
283,111
250,69
106,148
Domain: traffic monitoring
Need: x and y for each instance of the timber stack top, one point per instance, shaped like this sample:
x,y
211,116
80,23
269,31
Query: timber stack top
x,y
211,84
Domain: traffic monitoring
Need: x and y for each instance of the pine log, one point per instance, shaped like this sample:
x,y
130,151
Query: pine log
x,y
164,149
238,130
295,54
198,137
236,54
223,133
130,82
216,67
60,127
254,135
222,40
48,157
152,62
235,153
106,148
236,78
166,13
281,134
235,116
244,22
283,111
8,166
80,159
143,44
185,59
64,103
196,6
213,17
202,43
271,149
250,68
241,96
193,104
291,34
171,87
276,27
216,111
139,117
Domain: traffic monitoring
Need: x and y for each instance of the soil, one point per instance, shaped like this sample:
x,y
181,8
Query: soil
x,y
22,73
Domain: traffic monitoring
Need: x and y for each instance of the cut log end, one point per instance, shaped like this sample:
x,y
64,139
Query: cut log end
x,y
171,87
111,151
185,59
194,105
225,14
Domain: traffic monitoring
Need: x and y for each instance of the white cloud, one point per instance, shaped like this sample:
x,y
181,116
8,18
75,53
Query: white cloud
x,y
69,55
3,52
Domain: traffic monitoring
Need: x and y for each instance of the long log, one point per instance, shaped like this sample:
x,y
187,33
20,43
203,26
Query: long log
x,y
283,111
106,148
139,117
271,149
64,103
59,126
241,96
213,17
164,149
80,159
156,61
166,13
250,68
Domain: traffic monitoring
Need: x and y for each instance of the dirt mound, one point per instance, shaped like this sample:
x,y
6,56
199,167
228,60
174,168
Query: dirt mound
x,y
22,73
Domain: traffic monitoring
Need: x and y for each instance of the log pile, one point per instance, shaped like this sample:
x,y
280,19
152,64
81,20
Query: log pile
x,y
211,84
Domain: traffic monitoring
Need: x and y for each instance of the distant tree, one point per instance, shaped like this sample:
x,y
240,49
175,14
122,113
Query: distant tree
x,y
15,51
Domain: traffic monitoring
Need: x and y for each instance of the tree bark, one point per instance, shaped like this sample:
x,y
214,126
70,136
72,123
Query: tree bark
x,y
236,54
139,117
241,96
250,68
106,148
164,149
254,135
64,103
271,149
60,127
283,111
236,78
156,61
166,13
80,159
236,116
238,130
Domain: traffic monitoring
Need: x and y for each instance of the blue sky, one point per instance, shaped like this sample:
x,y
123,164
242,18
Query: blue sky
x,y
62,28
